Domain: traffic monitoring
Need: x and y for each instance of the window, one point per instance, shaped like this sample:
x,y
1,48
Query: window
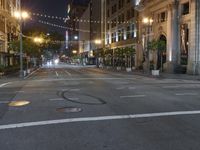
x,y
128,15
120,36
108,2
108,13
128,32
132,12
163,17
114,8
133,32
113,37
114,23
185,8
108,26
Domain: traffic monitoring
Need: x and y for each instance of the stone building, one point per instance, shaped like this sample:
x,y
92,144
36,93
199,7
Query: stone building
x,y
176,22
9,29
120,25
91,31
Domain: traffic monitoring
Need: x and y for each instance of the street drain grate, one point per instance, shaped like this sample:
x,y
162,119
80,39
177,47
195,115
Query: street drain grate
x,y
69,109
18,103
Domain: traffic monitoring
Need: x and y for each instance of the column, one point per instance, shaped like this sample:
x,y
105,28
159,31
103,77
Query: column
x,y
172,37
197,47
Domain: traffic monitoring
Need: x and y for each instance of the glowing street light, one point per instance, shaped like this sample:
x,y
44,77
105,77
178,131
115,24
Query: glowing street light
x,y
148,21
38,40
21,15
74,52
97,41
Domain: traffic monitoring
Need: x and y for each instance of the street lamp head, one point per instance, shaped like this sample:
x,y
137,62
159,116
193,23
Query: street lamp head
x,y
147,20
98,41
17,15
38,40
21,15
75,37
25,15
74,52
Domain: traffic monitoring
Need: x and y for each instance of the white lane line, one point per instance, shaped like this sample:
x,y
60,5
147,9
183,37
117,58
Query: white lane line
x,y
73,98
31,73
4,102
4,84
186,94
172,86
20,92
132,88
133,96
120,88
100,118
56,99
74,90
68,73
56,73
81,79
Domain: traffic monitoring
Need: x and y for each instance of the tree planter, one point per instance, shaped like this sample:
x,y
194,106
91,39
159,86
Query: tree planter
x,y
155,72
128,69
119,68
108,67
133,68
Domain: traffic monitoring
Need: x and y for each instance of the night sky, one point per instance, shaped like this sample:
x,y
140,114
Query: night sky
x,y
49,7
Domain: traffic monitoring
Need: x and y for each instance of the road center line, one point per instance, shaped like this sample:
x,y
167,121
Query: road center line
x,y
132,96
100,118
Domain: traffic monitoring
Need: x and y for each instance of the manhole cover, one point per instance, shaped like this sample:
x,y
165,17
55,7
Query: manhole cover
x,y
69,109
18,103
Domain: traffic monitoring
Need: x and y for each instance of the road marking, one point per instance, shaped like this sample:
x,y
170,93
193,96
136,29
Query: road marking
x,y
20,91
74,90
186,94
132,88
68,73
57,74
120,88
31,73
172,86
133,96
73,98
56,99
81,79
4,102
4,84
100,118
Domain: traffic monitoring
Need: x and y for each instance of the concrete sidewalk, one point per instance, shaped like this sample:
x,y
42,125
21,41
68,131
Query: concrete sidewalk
x,y
161,76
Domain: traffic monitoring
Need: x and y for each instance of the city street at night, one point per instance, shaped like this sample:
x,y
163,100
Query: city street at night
x,y
74,107
99,74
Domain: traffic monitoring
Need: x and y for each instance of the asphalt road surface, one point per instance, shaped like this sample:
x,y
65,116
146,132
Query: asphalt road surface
x,y
85,108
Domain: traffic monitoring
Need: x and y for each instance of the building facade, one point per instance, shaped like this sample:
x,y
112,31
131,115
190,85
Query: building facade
x,y
74,12
9,30
91,31
121,26
176,23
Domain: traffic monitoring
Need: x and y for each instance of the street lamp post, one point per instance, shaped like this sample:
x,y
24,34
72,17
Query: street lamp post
x,y
97,42
148,22
21,15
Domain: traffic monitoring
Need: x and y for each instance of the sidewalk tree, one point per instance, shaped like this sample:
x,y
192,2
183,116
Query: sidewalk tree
x,y
157,46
